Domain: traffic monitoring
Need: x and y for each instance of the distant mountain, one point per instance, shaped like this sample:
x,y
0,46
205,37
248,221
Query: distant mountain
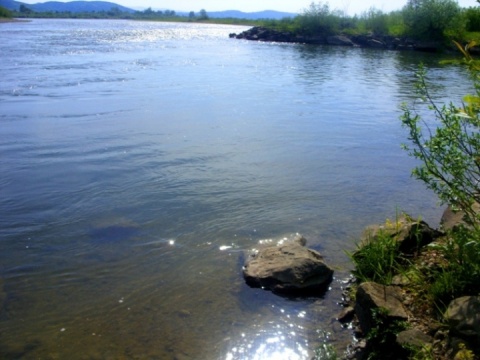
x,y
78,6
266,14
74,6
97,6
10,4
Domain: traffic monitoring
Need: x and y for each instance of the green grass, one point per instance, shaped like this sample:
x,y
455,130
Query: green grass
x,y
460,274
377,257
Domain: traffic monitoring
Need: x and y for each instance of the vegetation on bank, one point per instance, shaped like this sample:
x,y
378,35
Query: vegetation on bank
x,y
5,13
448,150
427,20
446,142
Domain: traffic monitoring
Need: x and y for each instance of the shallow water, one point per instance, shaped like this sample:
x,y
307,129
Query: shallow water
x,y
140,160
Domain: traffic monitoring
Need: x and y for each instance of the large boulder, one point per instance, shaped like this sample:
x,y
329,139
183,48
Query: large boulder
x,y
371,297
463,318
289,268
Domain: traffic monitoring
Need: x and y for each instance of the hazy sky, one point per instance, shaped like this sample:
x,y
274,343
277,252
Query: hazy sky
x,y
350,6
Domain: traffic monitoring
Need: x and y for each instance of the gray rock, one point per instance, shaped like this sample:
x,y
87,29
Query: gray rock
x,y
413,337
463,318
290,268
371,296
374,43
346,315
452,219
339,40
411,234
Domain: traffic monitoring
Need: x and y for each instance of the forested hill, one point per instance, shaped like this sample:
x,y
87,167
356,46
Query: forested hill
x,y
105,6
73,7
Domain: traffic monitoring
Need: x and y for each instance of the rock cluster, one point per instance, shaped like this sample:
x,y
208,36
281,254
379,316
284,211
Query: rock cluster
x,y
395,304
259,33
289,268
387,319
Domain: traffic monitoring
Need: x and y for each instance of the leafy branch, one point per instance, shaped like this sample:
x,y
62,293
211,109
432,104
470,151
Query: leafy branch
x,y
449,153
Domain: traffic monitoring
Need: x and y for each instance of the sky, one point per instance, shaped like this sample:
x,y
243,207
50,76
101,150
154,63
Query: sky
x,y
351,7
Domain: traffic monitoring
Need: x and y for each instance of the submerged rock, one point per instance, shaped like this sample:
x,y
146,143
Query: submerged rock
x,y
3,295
289,268
113,234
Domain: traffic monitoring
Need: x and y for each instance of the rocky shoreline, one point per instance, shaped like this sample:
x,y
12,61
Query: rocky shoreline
x,y
392,321
259,33
388,321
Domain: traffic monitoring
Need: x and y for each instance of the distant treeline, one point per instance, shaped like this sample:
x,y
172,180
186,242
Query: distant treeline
x,y
116,13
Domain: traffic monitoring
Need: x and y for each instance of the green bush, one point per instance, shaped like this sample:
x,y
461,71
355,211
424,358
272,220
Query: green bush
x,y
448,149
5,13
461,274
436,20
375,21
318,19
472,18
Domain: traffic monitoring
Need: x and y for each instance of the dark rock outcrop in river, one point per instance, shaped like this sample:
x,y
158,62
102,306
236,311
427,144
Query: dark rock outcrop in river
x,y
259,33
289,268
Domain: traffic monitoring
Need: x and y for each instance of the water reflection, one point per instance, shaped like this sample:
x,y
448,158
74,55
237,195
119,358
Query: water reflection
x,y
280,342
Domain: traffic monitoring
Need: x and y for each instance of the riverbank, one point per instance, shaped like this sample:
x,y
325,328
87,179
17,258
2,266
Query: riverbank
x,y
387,42
394,304
10,20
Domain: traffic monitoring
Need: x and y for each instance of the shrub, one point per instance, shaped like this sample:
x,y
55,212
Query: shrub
x,y
461,275
472,17
375,21
433,19
449,153
318,19
5,13
450,166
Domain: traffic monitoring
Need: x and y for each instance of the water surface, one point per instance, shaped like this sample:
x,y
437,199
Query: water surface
x,y
140,160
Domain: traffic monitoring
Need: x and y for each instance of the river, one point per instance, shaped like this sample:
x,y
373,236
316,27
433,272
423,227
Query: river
x,y
139,161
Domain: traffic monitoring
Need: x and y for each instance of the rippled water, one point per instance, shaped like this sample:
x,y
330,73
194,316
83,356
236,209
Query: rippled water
x,y
140,160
